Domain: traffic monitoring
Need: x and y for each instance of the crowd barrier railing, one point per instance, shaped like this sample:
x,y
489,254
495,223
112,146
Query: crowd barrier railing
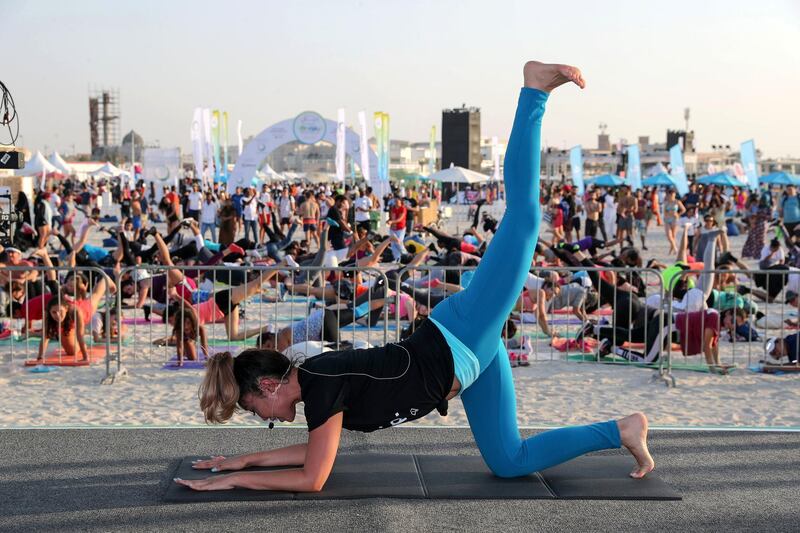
x,y
751,308
255,312
29,316
596,314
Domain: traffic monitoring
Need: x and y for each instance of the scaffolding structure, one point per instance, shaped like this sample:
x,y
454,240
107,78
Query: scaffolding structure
x,y
104,119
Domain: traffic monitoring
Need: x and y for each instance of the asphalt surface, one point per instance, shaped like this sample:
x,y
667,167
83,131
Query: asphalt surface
x,y
114,480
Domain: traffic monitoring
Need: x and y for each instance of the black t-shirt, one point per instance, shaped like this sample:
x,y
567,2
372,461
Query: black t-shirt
x,y
336,234
369,404
410,202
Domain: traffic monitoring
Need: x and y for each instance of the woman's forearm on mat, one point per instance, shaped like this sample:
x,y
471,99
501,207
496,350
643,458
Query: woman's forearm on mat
x,y
294,455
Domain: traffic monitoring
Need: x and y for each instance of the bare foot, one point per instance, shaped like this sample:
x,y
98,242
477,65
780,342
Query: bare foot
x,y
633,434
547,77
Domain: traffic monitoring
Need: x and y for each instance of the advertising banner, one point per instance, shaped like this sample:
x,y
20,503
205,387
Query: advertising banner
x,y
748,156
576,166
678,171
634,171
341,144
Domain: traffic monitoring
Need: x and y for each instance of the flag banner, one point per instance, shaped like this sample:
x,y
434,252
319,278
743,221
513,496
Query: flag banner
x,y
239,134
495,159
386,147
634,171
162,166
215,119
432,150
364,146
224,137
207,173
379,143
197,143
341,145
678,171
748,156
576,166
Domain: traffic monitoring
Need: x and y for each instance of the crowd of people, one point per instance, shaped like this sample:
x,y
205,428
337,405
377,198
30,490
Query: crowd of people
x,y
294,225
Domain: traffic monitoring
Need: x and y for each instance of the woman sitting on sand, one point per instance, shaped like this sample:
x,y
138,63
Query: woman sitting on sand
x,y
457,351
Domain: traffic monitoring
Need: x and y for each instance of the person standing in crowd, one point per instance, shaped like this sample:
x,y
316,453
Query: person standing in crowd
x,y
627,207
285,209
397,225
640,217
236,202
758,227
250,214
338,227
264,212
593,210
789,208
673,210
208,215
227,223
309,213
363,206
136,214
195,202
609,213
172,197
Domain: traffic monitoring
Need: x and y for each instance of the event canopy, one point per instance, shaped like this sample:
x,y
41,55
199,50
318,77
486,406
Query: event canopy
x,y
57,161
779,178
37,165
606,180
108,171
458,175
659,180
721,178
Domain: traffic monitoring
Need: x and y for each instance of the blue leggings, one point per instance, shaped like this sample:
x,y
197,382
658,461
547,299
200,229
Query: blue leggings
x,y
490,402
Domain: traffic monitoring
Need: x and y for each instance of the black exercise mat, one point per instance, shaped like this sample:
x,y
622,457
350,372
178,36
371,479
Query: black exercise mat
x,y
353,476
449,477
605,477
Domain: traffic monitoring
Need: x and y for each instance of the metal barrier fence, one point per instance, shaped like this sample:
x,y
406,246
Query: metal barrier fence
x,y
371,315
62,299
752,308
248,306
554,329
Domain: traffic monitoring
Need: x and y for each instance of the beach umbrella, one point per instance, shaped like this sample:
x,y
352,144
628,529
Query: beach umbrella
x,y
779,178
458,175
720,178
606,180
662,179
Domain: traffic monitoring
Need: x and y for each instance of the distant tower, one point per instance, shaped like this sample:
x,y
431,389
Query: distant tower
x,y
603,142
103,120
686,119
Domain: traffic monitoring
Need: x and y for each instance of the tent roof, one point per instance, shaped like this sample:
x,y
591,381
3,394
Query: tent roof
x,y
458,175
57,161
36,165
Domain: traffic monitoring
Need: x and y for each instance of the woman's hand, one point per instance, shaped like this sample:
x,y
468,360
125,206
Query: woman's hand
x,y
218,463
210,483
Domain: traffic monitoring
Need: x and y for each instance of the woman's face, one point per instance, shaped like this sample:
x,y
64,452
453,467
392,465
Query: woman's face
x,y
272,403
58,313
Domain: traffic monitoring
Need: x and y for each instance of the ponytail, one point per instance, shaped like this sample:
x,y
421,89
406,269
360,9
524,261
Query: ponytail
x,y
219,392
228,379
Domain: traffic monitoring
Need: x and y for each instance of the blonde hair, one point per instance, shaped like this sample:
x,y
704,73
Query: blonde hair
x,y
219,392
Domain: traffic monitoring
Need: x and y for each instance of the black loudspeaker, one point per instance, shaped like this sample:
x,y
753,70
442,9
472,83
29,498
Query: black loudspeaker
x,y
461,138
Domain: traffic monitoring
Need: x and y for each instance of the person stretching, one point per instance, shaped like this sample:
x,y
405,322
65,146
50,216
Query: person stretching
x,y
458,351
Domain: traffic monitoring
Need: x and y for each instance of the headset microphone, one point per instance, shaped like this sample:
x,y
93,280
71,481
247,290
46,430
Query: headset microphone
x,y
271,424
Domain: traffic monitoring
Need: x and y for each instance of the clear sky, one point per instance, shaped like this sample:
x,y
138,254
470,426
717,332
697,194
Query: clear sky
x,y
736,64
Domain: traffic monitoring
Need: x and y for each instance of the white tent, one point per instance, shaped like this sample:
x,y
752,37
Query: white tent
x,y
459,175
267,173
57,161
107,171
36,165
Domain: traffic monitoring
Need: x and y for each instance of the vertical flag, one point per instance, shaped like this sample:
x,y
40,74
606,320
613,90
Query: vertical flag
x,y
634,171
207,142
432,148
197,142
678,171
748,156
215,143
225,146
340,145
362,120
239,134
379,141
495,159
387,147
576,166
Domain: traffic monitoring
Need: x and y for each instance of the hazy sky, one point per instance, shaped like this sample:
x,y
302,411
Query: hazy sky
x,y
736,64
